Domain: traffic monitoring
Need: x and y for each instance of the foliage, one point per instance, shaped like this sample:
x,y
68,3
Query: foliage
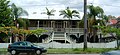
x,y
111,17
109,29
18,11
27,23
95,11
14,30
49,12
23,23
38,31
23,31
2,29
67,13
5,14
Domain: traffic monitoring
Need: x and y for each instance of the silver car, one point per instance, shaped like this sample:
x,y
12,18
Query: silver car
x,y
114,52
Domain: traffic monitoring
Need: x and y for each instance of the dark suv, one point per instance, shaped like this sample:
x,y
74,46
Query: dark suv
x,y
25,47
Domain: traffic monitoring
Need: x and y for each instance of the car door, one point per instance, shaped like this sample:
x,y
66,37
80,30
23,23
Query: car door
x,y
21,47
29,47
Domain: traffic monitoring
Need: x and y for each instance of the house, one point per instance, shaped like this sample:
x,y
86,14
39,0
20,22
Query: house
x,y
59,29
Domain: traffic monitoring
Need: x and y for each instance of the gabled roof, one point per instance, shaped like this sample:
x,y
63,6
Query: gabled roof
x,y
113,21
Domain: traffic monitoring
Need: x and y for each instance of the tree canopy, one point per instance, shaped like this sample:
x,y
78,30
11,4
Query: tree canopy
x,y
5,14
49,12
67,13
38,31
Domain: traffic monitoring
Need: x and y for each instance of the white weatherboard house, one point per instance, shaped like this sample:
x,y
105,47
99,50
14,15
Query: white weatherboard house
x,y
59,29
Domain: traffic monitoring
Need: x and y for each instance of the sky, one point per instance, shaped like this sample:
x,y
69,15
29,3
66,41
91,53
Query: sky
x,y
36,7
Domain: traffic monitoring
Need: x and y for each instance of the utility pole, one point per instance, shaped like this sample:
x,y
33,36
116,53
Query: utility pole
x,y
85,24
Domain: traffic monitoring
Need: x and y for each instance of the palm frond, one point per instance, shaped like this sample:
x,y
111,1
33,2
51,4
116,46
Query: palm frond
x,y
62,12
18,11
67,13
22,12
76,16
74,11
49,12
47,9
52,11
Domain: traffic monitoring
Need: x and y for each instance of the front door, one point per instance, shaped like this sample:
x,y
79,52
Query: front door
x,y
59,26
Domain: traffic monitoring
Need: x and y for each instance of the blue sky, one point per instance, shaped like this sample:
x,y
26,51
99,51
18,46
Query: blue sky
x,y
111,7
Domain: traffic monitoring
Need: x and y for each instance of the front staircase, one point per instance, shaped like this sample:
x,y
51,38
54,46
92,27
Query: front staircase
x,y
59,37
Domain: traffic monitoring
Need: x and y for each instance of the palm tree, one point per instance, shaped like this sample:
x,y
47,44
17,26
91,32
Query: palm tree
x,y
92,14
17,11
67,13
23,23
49,12
104,20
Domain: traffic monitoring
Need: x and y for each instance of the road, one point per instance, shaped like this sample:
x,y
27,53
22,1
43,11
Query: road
x,y
50,54
73,54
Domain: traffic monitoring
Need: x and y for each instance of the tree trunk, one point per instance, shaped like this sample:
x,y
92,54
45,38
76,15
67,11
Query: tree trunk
x,y
94,35
69,27
48,17
94,30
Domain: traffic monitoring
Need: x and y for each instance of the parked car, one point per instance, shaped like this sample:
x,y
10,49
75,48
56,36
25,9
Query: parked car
x,y
114,52
25,47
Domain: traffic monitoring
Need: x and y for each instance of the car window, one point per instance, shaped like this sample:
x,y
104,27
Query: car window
x,y
19,44
22,44
16,43
28,44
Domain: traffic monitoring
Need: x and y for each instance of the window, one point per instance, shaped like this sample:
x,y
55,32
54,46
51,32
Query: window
x,y
19,44
28,44
22,44
16,44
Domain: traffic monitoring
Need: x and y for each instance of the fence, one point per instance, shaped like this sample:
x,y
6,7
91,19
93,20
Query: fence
x,y
73,45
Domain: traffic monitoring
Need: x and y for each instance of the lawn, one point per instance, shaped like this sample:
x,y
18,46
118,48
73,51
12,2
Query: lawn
x,y
79,50
72,50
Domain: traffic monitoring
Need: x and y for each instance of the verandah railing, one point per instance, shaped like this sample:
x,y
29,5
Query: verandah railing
x,y
67,30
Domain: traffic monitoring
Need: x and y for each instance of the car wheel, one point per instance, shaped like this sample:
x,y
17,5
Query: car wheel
x,y
13,52
38,52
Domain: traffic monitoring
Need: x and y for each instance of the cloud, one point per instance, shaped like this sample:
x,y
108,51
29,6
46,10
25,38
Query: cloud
x,y
31,6
109,6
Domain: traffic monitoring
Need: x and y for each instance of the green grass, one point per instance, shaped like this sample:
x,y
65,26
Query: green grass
x,y
72,50
3,49
79,50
